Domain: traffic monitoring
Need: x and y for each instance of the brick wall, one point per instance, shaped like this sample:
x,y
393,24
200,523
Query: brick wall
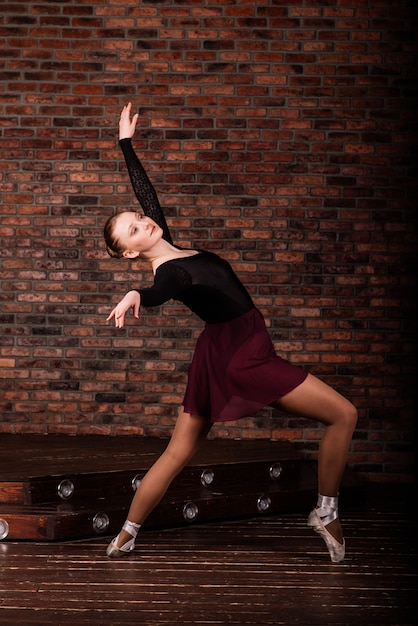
x,y
277,134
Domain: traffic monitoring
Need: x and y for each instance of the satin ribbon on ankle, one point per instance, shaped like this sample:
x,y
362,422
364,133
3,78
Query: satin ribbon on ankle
x,y
131,528
327,508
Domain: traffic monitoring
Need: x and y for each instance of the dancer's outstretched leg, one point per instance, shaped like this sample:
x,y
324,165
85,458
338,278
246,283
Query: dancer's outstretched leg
x,y
189,432
316,400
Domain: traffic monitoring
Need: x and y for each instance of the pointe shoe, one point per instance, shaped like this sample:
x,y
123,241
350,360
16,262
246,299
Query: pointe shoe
x,y
335,548
113,551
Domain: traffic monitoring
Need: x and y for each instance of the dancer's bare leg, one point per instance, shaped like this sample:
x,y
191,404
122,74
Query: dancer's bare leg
x,y
316,400
189,433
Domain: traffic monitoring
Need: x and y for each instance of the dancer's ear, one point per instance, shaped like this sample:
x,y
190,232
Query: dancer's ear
x,y
131,254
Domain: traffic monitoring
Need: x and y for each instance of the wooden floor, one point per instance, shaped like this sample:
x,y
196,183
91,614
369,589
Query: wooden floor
x,y
268,570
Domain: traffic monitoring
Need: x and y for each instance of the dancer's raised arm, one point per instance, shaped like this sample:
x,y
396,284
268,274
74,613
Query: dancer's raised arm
x,y
141,184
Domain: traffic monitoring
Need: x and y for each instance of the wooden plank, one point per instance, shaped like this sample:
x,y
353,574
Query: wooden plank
x,y
12,492
266,570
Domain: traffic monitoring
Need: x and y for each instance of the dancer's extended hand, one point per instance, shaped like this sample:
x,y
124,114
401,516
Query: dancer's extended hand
x,y
126,124
132,300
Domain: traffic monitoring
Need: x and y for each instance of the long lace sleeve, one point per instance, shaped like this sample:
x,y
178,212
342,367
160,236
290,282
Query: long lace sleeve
x,y
143,188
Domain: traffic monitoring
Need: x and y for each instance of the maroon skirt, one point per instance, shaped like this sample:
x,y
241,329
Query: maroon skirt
x,y
235,370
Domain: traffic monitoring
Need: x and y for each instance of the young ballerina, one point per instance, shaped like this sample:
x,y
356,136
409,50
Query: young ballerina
x,y
234,371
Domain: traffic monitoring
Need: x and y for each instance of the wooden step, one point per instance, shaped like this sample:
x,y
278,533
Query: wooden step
x,y
233,492
49,522
78,487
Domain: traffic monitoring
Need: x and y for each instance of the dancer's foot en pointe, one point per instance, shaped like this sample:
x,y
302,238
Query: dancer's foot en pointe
x,y
116,551
324,520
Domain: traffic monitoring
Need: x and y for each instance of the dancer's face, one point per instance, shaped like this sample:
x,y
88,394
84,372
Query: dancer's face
x,y
136,233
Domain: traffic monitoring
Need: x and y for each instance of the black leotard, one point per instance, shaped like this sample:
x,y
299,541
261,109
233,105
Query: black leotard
x,y
204,282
